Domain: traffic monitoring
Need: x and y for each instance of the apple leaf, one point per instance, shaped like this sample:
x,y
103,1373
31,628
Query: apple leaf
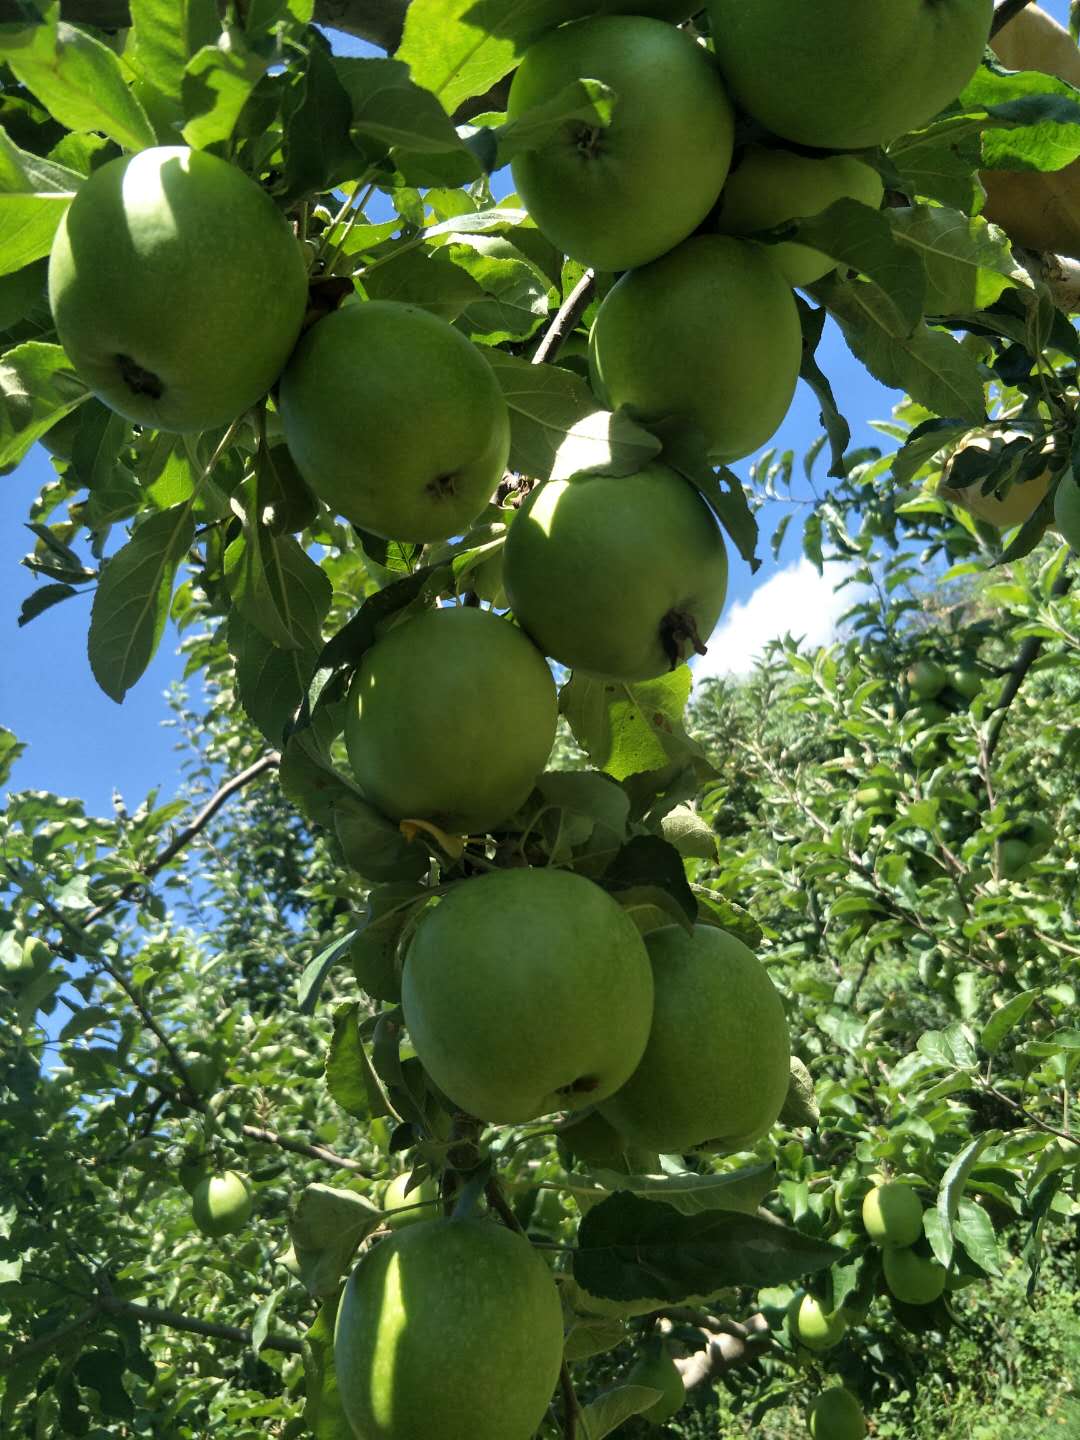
x,y
217,85
516,294
951,1190
593,1335
37,387
427,278
862,239
34,193
388,108
1032,120
326,1227
164,36
633,1249
272,683
693,1194
374,950
943,166
608,1411
131,603
649,869
324,1416
316,971
275,584
1003,1021
800,1104
79,80
929,364
629,729
556,430
836,427
968,261
350,1078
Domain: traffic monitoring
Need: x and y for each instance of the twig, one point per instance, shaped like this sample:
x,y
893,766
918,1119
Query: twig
x,y
154,1316
1004,12
1029,653
52,1340
570,1402
170,852
301,1147
497,1200
570,312
1028,1116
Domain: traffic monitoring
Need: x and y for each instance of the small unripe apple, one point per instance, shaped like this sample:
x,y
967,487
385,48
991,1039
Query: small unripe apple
x,y
913,1278
658,1370
836,1415
926,679
767,188
177,287
221,1204
814,1326
892,1214
407,1208
1067,510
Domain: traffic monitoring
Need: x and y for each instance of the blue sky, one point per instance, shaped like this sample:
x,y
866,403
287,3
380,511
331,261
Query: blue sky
x,y
82,744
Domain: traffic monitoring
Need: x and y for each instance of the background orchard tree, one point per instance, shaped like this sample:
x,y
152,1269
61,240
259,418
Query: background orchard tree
x,y
208,1102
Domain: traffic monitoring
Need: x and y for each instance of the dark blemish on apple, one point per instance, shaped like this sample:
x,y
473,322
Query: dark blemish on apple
x,y
587,139
583,1085
138,380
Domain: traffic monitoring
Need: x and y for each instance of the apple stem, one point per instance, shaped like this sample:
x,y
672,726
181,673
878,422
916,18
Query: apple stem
x,y
570,1402
678,630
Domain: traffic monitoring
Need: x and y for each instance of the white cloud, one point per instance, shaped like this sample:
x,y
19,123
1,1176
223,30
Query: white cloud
x,y
795,600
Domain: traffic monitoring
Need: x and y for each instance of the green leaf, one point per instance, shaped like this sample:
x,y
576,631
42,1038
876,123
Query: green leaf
x,y
684,450
941,166
373,845
1004,1019
319,151
862,239
516,294
556,430
1035,119
37,388
373,954
800,1104
275,585
648,864
79,80
836,427
428,278
388,108
593,1335
929,364
316,971
608,1411
975,1231
951,1190
42,599
691,1194
347,1064
34,193
968,262
951,1047
131,603
327,1226
323,1413
272,683
632,1249
218,82
165,34
458,48
627,729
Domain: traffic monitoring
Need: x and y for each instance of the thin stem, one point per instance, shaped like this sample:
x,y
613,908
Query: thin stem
x,y
565,321
570,1402
1004,12
202,819
152,1315
1029,653
358,210
301,1147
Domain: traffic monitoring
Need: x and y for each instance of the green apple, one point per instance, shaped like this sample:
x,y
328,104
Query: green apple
x,y
1025,842
409,1207
708,334
450,718
967,680
846,74
892,1214
814,1326
591,1141
658,1370
715,1070
836,1415
177,287
926,679
221,1204
620,196
573,546
913,1278
1002,508
767,188
1067,510
527,991
450,1328
395,420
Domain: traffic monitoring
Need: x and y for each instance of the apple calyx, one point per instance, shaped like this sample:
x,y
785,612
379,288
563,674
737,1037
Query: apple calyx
x,y
679,636
138,380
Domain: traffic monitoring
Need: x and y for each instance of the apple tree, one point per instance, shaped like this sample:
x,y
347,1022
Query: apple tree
x,y
548,1055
